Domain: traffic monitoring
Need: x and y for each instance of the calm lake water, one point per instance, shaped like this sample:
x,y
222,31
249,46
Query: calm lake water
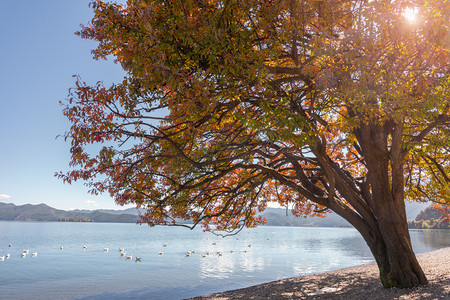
x,y
259,255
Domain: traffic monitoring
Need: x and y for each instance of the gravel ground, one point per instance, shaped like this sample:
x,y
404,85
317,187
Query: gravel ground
x,y
359,282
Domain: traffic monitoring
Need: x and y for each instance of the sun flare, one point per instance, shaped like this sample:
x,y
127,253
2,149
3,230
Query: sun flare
x,y
410,14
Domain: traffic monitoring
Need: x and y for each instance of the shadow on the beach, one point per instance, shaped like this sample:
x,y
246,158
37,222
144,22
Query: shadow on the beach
x,y
351,285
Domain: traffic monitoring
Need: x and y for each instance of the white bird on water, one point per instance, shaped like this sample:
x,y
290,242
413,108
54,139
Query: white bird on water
x,y
129,257
161,253
188,253
25,251
10,245
2,258
138,258
60,248
34,254
8,256
106,249
23,255
84,247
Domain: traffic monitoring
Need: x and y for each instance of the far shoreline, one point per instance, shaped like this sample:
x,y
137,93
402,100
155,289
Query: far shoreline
x,y
357,282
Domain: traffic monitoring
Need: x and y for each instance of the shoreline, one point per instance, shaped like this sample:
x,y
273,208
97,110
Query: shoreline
x,y
357,282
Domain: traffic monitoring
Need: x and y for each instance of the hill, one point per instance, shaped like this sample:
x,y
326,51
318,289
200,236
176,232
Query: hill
x,y
429,218
281,217
128,211
43,212
274,216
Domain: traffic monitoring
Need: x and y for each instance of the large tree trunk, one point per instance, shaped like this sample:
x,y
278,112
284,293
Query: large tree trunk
x,y
393,253
388,237
389,241
375,202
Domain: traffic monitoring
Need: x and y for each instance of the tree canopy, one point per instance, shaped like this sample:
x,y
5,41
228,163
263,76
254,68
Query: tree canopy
x,y
230,105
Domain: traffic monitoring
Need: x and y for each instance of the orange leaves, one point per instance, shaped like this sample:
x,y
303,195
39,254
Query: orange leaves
x,y
444,210
228,106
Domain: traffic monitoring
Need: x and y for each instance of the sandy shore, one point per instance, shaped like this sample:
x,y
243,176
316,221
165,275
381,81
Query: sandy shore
x,y
359,282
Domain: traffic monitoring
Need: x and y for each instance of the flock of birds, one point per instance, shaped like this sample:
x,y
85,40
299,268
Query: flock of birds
x,y
207,252
23,254
123,253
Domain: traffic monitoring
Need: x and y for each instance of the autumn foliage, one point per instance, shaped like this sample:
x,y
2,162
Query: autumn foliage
x,y
445,212
228,106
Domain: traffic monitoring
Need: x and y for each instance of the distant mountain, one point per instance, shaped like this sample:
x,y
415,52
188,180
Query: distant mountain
x,y
43,212
130,211
274,216
429,213
281,217
29,212
429,218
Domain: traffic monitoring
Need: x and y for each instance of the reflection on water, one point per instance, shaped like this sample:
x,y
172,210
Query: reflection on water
x,y
424,240
216,268
248,263
254,256
312,244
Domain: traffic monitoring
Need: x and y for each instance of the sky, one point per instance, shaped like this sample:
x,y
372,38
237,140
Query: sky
x,y
39,53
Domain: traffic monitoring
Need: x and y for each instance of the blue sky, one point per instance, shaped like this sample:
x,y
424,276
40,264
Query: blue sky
x,y
39,53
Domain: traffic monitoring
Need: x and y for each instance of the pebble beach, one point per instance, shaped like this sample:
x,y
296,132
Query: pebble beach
x,y
358,282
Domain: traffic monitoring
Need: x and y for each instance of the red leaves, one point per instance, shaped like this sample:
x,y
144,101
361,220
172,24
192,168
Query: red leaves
x,y
98,138
445,212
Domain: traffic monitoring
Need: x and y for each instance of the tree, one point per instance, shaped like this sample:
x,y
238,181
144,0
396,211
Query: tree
x,y
230,105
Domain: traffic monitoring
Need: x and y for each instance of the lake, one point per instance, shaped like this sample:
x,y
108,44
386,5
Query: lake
x,y
252,257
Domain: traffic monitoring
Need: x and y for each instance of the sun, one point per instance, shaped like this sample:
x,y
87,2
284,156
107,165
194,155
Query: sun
x,y
410,14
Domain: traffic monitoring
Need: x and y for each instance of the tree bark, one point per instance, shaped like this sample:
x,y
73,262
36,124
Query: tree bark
x,y
388,238
390,244
393,253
